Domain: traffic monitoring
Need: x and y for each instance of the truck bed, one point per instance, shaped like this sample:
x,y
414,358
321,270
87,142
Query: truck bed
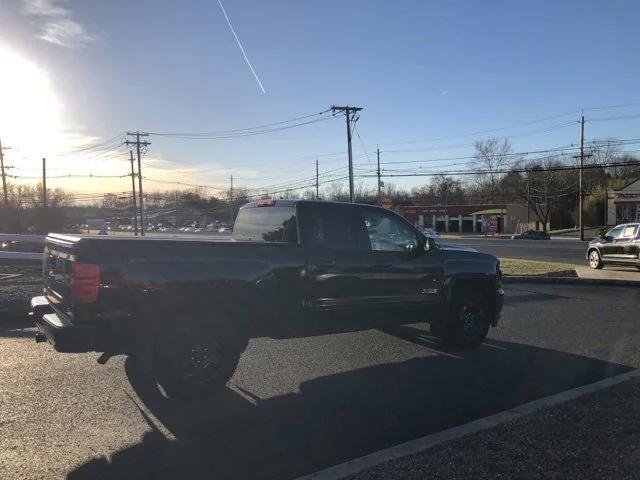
x,y
155,280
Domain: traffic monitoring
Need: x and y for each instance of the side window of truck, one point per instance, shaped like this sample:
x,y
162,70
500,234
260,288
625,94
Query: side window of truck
x,y
388,233
266,224
334,227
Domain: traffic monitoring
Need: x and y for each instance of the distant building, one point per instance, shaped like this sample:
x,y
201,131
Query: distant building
x,y
623,204
472,218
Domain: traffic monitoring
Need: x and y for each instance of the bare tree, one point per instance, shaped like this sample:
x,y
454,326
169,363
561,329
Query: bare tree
x,y
395,193
448,190
491,156
425,194
335,191
543,187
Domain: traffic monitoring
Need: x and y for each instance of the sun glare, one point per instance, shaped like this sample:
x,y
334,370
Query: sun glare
x,y
30,112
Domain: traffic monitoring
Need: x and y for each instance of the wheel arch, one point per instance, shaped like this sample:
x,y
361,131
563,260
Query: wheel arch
x,y
591,249
483,286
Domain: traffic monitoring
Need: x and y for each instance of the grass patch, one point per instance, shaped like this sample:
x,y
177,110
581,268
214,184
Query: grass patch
x,y
532,268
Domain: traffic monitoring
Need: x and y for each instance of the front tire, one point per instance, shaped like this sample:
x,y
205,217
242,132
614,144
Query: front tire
x,y
469,320
595,261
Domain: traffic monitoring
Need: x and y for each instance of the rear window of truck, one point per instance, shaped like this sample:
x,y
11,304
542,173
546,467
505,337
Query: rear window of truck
x,y
266,224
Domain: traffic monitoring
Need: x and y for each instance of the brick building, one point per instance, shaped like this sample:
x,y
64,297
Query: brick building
x,y
469,218
624,204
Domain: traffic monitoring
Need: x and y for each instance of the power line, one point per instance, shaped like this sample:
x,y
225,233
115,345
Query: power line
x,y
364,149
622,117
186,184
69,175
97,146
223,132
620,105
559,149
508,127
507,171
464,145
481,132
243,134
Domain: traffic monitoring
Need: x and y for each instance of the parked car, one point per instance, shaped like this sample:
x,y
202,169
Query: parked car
x,y
295,268
430,232
532,235
620,245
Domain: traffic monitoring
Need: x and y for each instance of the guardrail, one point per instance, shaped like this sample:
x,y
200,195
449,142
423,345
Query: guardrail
x,y
20,256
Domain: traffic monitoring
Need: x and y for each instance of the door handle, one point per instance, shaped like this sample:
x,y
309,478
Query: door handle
x,y
383,265
327,263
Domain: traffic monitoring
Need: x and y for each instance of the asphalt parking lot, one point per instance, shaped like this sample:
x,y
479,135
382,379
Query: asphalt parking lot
x,y
295,406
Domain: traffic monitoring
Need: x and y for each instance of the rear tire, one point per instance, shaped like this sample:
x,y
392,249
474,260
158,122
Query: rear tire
x,y
469,319
195,368
595,261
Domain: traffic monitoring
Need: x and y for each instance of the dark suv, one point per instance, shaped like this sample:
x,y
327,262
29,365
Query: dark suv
x,y
620,245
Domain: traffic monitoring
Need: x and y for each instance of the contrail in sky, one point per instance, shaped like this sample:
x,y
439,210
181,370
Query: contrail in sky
x,y
240,45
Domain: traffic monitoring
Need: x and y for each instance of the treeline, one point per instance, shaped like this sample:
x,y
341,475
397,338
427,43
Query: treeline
x,y
548,185
24,210
494,175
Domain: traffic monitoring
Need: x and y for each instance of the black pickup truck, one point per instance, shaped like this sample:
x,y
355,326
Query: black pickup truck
x,y
185,309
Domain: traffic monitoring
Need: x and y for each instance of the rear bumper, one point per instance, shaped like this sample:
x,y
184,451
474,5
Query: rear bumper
x,y
60,332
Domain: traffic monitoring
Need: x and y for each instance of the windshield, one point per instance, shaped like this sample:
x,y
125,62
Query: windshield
x,y
286,239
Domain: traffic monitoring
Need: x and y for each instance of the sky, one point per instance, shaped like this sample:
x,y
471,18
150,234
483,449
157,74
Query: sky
x,y
75,74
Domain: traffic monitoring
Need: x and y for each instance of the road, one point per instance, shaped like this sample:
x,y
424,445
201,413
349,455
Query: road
x,y
555,250
295,406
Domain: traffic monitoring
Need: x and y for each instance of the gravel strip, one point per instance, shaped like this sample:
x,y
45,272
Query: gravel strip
x,y
16,292
596,436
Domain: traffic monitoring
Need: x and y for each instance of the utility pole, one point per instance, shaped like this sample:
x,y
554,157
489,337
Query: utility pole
x,y
580,179
582,156
4,178
528,198
606,197
44,182
317,181
138,144
378,173
133,189
349,115
501,208
231,202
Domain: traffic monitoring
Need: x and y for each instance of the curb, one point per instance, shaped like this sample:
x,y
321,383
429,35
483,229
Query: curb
x,y
572,281
351,467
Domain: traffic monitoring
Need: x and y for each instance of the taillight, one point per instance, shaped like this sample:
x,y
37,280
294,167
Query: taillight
x,y
85,282
266,203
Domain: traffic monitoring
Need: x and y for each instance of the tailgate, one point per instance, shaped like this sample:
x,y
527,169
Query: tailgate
x,y
58,259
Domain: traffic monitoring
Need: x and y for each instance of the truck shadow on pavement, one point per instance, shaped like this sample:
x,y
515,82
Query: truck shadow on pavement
x,y
334,418
16,325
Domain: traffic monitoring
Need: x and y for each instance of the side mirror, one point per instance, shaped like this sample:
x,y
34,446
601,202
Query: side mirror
x,y
429,244
411,248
